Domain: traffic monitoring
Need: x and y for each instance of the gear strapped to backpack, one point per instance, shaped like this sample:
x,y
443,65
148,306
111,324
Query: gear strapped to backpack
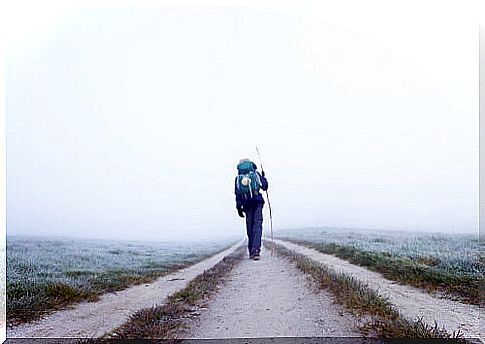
x,y
248,182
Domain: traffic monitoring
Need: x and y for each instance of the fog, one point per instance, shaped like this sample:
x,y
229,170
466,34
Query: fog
x,y
129,122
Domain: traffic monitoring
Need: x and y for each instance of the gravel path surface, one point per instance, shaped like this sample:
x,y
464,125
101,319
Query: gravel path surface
x,y
410,301
271,298
93,319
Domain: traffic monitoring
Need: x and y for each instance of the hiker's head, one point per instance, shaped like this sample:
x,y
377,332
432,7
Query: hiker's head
x,y
244,160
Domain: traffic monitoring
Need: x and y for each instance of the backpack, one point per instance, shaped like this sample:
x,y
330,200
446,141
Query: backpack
x,y
248,182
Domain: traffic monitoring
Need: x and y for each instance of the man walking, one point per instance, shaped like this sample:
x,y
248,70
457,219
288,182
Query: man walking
x,y
249,202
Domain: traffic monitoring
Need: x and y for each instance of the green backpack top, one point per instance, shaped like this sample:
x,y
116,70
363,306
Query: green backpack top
x,y
248,182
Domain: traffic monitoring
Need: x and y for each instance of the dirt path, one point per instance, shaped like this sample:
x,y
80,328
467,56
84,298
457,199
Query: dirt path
x,y
93,319
266,298
271,298
411,302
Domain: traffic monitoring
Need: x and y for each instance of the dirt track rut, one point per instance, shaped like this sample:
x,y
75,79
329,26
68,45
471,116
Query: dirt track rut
x,y
271,298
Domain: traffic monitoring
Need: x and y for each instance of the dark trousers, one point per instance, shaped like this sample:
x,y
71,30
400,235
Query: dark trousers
x,y
254,227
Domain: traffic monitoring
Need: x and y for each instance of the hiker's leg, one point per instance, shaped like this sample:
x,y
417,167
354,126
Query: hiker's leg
x,y
257,227
249,211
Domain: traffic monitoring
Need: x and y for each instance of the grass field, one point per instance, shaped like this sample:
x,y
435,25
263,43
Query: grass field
x,y
46,274
449,263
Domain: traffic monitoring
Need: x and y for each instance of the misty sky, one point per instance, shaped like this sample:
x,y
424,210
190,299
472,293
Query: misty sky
x,y
129,123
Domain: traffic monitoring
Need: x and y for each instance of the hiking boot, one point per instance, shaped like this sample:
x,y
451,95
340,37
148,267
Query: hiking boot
x,y
256,257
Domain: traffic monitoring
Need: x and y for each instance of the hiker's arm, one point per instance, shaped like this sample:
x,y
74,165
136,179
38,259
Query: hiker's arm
x,y
238,201
264,182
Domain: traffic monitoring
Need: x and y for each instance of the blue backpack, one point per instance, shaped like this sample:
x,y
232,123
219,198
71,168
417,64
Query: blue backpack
x,y
248,182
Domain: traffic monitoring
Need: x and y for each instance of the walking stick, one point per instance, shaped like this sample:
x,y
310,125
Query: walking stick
x,y
267,196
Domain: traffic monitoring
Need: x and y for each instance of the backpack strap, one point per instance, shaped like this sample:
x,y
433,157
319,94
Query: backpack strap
x,y
259,179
